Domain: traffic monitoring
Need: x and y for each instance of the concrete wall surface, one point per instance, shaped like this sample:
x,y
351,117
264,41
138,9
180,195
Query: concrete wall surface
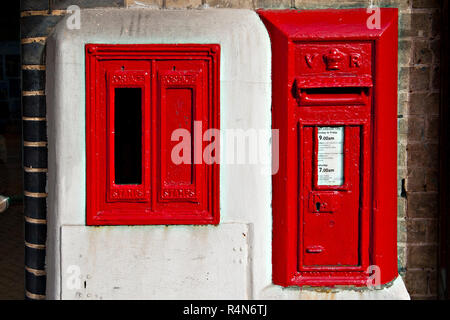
x,y
231,260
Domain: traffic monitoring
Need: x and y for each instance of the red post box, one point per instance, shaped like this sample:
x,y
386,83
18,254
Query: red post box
x,y
334,205
136,97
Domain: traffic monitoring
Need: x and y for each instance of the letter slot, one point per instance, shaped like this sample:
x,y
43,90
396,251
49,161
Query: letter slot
x,y
322,91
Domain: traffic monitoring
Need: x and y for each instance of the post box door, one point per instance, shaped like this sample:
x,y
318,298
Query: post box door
x,y
330,197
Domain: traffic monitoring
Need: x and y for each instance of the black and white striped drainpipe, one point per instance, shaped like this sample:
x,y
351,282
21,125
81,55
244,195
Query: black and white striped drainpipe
x,y
38,17
37,21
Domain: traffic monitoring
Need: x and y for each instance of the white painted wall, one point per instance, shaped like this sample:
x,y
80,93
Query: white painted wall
x,y
231,260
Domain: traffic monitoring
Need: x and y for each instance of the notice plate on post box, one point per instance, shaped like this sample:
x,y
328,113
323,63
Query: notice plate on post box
x,y
330,156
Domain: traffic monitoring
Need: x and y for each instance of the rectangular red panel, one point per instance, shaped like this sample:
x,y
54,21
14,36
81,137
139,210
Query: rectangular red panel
x,y
330,213
137,97
181,102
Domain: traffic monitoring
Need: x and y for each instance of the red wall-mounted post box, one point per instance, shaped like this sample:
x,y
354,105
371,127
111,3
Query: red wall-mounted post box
x,y
334,205
136,97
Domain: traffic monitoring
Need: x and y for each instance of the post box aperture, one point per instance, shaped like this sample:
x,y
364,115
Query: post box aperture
x,y
137,97
334,104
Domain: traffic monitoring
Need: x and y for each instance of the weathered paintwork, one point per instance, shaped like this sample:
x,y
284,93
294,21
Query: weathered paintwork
x,y
330,70
180,89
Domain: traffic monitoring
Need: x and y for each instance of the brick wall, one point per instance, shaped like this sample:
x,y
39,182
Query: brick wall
x,y
418,117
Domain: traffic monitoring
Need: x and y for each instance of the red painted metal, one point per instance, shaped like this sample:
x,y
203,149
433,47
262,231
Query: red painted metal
x,y
180,89
330,70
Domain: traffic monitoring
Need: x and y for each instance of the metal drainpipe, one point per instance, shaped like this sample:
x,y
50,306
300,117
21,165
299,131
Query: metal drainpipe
x,y
35,178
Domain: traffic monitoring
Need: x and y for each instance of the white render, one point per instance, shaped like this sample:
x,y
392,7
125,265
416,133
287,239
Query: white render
x,y
121,262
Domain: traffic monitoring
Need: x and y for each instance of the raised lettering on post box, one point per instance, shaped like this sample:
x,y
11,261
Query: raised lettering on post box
x,y
334,104
138,98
